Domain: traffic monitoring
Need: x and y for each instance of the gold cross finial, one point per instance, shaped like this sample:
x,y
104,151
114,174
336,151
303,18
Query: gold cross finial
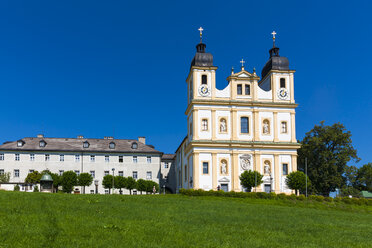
x,y
273,34
201,33
242,62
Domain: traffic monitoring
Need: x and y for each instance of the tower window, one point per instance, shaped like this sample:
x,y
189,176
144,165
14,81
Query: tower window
x,y
285,169
244,127
282,83
239,89
205,168
204,79
284,127
247,89
204,125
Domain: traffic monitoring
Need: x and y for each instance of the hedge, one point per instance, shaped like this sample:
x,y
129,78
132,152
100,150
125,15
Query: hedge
x,y
272,195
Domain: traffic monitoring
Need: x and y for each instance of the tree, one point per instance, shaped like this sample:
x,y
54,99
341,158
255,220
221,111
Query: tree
x,y
33,178
297,181
131,184
107,182
120,182
141,185
68,181
85,179
249,179
16,187
364,177
328,149
150,186
5,177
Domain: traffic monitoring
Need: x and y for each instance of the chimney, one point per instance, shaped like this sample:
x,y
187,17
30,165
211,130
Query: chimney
x,y
80,137
40,135
142,140
110,138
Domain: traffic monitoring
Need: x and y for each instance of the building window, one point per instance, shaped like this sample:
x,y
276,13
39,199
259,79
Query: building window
x,y
121,173
185,173
77,172
244,128
121,159
166,165
47,157
205,168
92,191
1,172
106,173
285,169
149,159
93,174
190,129
134,145
16,157
61,172
204,79
16,173
266,127
61,157
106,191
32,157
92,158
112,145
284,127
107,158
282,83
20,143
86,144
149,175
1,156
247,89
135,160
135,174
77,158
204,124
239,90
42,143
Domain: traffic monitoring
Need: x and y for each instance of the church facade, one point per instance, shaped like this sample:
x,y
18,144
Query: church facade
x,y
248,125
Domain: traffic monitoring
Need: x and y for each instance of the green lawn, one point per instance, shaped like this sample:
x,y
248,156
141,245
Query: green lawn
x,y
60,220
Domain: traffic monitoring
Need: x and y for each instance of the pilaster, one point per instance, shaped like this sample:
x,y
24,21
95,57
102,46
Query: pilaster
x,y
276,173
214,124
293,128
195,170
275,127
214,171
256,125
195,122
234,131
235,172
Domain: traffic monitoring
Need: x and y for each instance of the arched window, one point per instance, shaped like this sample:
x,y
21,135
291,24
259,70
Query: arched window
x,y
266,127
112,145
204,79
134,145
282,83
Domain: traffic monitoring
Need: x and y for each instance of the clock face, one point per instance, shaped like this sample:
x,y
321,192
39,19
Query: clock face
x,y
283,93
204,90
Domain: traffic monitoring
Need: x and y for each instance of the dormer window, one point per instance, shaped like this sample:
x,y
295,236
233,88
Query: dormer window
x,y
112,145
42,143
204,79
282,83
20,143
86,144
134,145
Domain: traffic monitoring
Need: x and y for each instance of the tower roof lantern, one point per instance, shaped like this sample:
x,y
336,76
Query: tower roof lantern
x,y
202,58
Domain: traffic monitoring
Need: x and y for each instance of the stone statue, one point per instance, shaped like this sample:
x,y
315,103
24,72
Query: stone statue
x,y
223,167
267,168
223,126
266,128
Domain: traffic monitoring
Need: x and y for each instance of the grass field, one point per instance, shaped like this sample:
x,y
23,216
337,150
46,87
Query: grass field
x,y
61,220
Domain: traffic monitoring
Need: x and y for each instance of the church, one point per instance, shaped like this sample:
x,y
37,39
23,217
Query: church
x,y
249,125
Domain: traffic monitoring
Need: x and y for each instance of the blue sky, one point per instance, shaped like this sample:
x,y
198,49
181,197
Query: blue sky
x,y
103,68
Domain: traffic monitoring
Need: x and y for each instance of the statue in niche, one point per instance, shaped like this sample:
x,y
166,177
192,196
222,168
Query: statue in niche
x,y
266,127
267,169
223,167
223,127
245,162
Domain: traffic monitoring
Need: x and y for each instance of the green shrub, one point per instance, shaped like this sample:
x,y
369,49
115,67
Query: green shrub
x,y
271,195
16,187
36,188
292,197
337,199
346,200
301,197
319,198
328,199
281,196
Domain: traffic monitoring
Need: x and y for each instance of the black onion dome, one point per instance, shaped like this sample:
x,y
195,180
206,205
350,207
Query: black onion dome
x,y
275,62
202,58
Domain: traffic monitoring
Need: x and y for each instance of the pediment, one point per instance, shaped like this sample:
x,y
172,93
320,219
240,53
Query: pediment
x,y
224,180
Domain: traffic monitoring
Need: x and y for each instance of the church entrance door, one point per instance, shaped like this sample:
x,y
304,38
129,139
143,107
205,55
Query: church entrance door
x,y
267,188
225,187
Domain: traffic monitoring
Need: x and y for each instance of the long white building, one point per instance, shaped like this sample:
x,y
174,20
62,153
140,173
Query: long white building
x,y
98,157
